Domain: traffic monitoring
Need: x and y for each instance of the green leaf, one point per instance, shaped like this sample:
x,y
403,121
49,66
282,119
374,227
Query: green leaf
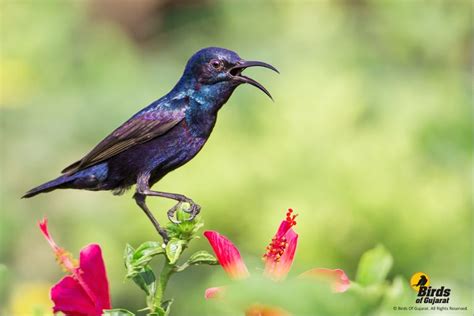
x,y
146,248
163,310
197,258
145,279
146,251
128,254
137,260
137,264
174,249
374,266
128,260
202,257
197,226
167,307
117,312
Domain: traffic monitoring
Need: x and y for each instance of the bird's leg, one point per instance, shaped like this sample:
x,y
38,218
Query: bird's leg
x,y
143,188
140,199
193,210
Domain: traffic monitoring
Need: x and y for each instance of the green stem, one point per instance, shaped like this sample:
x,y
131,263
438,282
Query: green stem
x,y
165,274
156,299
166,271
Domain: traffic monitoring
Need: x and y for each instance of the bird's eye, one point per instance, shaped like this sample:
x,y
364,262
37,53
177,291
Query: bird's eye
x,y
216,64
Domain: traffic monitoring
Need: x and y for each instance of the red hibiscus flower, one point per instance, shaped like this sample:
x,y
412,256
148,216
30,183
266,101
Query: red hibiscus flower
x,y
278,260
85,291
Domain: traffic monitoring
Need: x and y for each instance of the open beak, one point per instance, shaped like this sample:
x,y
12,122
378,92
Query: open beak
x,y
236,73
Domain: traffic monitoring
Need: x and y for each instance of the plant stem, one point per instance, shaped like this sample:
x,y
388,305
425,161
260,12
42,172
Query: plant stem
x,y
165,274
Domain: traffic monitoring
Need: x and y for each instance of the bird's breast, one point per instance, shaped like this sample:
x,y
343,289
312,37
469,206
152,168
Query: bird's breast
x,y
199,123
178,146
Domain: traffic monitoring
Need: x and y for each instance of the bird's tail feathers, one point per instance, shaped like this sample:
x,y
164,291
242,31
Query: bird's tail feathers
x,y
57,183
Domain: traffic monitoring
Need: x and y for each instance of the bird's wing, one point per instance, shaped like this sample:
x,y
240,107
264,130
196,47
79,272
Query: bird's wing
x,y
137,130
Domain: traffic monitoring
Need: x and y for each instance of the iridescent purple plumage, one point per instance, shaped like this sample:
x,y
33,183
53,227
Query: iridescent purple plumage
x,y
163,136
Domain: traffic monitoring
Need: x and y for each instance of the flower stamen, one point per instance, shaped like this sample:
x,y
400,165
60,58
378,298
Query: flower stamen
x,y
279,242
64,258
291,218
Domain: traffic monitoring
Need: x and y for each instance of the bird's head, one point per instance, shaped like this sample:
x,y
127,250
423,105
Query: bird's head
x,y
221,67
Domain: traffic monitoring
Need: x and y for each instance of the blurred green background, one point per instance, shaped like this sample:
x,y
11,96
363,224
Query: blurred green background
x,y
369,138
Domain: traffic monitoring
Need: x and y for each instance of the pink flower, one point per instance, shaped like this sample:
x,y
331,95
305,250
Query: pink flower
x,y
281,250
278,258
228,255
337,278
86,290
214,292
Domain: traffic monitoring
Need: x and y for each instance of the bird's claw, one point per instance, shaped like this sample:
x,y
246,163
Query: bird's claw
x,y
193,211
172,212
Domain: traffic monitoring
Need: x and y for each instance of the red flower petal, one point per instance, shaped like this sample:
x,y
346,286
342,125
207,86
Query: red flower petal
x,y
86,290
214,292
338,279
228,255
278,261
94,275
70,298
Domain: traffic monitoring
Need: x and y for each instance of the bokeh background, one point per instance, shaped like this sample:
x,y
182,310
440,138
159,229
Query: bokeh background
x,y
369,137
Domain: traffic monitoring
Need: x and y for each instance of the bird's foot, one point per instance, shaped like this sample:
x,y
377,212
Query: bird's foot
x,y
171,213
193,210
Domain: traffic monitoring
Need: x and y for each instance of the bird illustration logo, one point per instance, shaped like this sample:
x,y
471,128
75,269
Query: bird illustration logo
x,y
163,136
418,280
422,282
